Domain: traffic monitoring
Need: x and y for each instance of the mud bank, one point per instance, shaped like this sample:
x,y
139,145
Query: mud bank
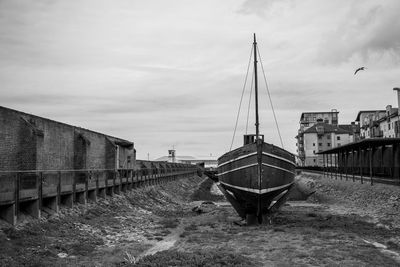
x,y
158,226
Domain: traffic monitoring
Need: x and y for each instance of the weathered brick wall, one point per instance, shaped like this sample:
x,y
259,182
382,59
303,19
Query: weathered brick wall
x,y
29,138
9,139
110,155
56,151
81,144
29,142
17,142
95,150
125,158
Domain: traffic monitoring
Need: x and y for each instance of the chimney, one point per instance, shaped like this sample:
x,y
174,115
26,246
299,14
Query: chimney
x,y
398,96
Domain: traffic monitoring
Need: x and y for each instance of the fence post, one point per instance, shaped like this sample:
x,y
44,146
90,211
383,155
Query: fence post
x,y
16,193
40,190
370,164
59,189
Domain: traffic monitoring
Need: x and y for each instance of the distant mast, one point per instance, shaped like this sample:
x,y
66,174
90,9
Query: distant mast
x,y
256,85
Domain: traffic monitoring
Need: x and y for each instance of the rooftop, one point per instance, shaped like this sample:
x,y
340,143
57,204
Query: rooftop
x,y
316,112
368,111
328,128
373,142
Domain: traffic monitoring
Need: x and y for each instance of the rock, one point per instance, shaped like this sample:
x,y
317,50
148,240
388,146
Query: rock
x,y
204,207
302,189
62,255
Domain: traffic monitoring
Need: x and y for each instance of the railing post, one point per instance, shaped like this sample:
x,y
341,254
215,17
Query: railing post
x,y
120,178
59,188
361,169
40,190
353,152
74,187
336,165
87,177
370,164
16,193
97,182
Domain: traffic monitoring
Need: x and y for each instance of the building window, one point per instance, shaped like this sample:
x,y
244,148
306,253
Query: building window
x,y
313,144
389,126
329,144
314,160
328,136
320,144
337,137
314,151
338,144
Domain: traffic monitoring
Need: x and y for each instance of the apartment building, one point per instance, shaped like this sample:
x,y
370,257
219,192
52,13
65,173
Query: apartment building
x,y
388,125
380,123
367,119
323,136
308,120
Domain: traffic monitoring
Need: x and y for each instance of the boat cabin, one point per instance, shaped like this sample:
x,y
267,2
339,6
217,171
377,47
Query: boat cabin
x,y
251,138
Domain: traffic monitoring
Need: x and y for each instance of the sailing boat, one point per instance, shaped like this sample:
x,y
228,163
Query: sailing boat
x,y
256,177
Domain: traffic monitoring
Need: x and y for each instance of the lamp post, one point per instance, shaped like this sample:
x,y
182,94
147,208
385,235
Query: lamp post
x,y
398,110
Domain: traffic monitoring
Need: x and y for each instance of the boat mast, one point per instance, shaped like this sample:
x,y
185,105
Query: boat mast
x,y
256,85
258,142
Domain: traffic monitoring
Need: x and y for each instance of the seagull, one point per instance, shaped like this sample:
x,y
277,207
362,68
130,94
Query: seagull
x,y
357,70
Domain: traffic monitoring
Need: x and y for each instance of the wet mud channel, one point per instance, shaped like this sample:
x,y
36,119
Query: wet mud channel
x,y
187,223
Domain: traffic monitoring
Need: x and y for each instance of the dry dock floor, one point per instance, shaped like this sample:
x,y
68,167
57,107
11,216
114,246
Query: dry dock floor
x,y
343,224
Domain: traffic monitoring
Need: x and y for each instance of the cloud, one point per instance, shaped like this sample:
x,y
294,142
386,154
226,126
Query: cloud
x,y
161,73
262,7
367,33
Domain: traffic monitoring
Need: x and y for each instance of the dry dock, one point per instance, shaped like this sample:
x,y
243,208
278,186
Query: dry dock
x,y
343,224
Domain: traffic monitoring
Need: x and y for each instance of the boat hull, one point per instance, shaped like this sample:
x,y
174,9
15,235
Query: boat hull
x,y
256,176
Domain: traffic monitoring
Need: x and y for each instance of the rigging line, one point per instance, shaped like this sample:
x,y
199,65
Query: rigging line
x,y
270,100
248,107
241,98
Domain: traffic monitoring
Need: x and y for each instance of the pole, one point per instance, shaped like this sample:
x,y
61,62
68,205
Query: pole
x,y
256,85
259,144
398,111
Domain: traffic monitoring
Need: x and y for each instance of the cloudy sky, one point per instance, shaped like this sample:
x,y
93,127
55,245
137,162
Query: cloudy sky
x,y
170,73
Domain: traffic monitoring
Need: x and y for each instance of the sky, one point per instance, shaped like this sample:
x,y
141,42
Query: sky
x,y
170,74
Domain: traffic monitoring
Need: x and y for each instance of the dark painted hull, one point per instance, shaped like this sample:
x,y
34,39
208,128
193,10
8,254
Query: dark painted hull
x,y
256,176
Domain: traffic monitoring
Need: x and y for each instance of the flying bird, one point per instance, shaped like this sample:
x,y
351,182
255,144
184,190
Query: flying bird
x,y
357,70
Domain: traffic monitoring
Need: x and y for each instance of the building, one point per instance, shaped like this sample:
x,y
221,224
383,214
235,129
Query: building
x,y
380,123
30,142
309,119
388,125
323,136
367,121
209,161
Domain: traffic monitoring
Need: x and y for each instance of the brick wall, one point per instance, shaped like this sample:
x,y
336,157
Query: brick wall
x,y
56,150
9,140
95,149
110,154
29,142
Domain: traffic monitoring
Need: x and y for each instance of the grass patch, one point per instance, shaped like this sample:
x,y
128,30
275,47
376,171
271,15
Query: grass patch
x,y
169,223
191,227
203,192
202,258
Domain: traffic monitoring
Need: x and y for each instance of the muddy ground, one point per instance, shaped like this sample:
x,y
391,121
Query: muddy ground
x,y
342,224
